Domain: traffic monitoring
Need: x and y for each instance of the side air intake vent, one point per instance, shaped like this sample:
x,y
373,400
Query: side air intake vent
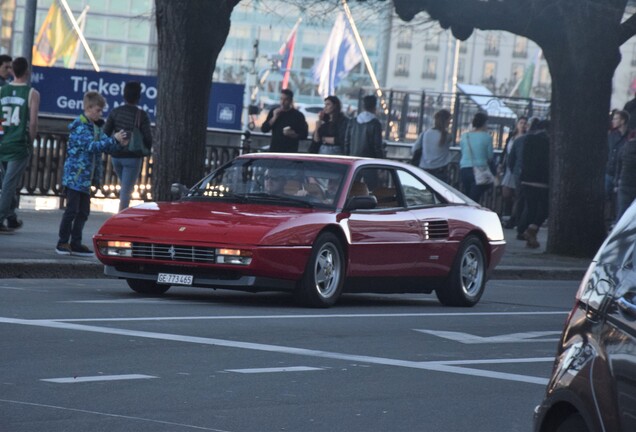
x,y
435,229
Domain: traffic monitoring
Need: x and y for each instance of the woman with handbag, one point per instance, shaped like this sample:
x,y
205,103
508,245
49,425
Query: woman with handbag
x,y
329,134
477,154
135,121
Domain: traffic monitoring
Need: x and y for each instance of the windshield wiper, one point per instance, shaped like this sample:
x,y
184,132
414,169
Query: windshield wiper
x,y
200,194
264,196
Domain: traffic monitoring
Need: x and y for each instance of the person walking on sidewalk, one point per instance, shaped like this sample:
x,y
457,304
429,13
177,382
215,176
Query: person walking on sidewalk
x,y
20,104
535,180
127,164
86,142
435,145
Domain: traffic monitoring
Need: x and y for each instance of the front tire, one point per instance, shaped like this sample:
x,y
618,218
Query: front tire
x,y
467,279
322,282
148,287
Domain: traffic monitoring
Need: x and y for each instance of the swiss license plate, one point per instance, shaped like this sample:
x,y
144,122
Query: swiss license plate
x,y
174,279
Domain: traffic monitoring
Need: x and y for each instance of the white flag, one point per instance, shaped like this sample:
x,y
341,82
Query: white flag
x,y
341,54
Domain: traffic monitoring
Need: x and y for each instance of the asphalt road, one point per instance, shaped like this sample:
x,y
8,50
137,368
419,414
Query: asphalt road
x,y
90,355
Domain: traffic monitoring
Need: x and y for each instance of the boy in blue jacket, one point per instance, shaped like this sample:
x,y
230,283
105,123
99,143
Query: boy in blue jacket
x,y
86,142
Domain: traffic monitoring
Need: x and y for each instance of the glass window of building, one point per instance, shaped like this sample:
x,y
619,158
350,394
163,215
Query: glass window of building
x,y
113,54
117,28
516,72
119,6
99,6
139,30
430,68
489,75
492,44
95,27
138,7
402,65
432,41
520,49
137,56
405,37
544,75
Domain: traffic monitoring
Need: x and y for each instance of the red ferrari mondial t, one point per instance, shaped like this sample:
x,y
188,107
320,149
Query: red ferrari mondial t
x,y
311,225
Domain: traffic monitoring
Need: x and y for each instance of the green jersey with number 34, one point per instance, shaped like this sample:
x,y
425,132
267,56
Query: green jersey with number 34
x,y
14,103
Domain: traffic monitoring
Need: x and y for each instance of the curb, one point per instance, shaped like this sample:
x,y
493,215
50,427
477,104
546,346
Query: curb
x,y
545,273
91,269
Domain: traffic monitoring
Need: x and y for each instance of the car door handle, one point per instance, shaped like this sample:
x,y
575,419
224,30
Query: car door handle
x,y
627,306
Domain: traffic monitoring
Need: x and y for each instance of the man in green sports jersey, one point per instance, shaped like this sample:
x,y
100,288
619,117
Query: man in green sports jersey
x,y
19,105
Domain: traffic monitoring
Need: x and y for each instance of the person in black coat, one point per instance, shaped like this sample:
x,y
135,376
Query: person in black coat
x,y
535,180
287,124
626,177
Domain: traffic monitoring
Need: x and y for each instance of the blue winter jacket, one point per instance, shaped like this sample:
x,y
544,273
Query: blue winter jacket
x,y
86,142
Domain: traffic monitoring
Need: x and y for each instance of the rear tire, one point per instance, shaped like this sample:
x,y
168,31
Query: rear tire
x,y
321,284
148,287
573,423
467,279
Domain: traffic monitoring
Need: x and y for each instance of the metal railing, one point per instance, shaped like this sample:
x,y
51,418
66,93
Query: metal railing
x,y
43,176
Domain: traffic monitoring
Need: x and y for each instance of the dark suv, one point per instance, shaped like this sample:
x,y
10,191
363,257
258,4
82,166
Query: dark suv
x,y
593,383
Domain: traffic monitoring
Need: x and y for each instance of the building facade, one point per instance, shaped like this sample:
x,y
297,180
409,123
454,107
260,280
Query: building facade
x,y
417,56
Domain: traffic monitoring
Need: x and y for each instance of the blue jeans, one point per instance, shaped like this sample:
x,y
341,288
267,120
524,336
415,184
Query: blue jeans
x,y
78,207
127,169
331,149
13,171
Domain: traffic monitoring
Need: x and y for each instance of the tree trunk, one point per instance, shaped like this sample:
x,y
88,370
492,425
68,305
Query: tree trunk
x,y
582,71
191,33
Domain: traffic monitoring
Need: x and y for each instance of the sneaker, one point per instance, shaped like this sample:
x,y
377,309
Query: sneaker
x,y
5,230
63,249
14,223
81,250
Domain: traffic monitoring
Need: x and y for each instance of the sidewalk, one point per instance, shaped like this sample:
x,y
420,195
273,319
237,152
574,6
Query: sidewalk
x,y
29,253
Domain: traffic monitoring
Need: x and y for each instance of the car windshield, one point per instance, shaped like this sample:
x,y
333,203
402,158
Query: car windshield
x,y
274,181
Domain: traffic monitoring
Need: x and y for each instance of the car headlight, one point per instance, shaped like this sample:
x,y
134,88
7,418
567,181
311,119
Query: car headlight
x,y
233,256
115,248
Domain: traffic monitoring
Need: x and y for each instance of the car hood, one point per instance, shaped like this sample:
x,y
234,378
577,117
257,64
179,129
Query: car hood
x,y
217,222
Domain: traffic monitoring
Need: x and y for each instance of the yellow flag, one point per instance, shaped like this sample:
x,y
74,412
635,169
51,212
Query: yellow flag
x,y
55,39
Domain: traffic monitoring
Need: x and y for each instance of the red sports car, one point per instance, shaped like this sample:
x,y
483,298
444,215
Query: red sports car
x,y
313,225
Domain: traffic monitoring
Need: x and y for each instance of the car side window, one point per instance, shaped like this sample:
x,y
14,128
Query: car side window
x,y
379,182
415,192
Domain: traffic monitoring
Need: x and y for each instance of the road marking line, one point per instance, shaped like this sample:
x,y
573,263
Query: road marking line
x,y
22,289
323,316
498,361
433,366
278,369
95,378
111,415
467,338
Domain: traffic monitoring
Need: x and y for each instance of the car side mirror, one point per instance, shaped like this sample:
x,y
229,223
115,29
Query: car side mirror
x,y
178,191
361,203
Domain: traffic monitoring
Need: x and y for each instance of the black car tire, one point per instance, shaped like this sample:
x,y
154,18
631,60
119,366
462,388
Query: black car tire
x,y
574,423
321,284
148,287
467,279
